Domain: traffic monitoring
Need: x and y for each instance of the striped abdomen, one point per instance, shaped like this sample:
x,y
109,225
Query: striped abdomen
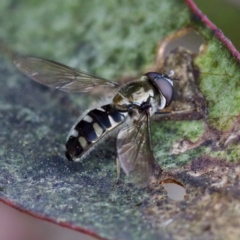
x,y
91,128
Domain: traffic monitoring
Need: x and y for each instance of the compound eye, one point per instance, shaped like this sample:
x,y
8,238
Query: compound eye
x,y
166,89
163,83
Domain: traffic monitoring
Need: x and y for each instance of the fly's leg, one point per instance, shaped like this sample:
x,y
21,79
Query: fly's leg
x,y
170,113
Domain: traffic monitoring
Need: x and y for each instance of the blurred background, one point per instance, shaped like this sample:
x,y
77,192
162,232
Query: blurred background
x,y
223,13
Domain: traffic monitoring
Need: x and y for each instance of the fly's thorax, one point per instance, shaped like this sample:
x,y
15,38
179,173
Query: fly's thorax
x,y
134,94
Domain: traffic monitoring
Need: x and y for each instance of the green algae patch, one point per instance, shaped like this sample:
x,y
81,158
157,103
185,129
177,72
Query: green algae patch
x,y
167,134
220,83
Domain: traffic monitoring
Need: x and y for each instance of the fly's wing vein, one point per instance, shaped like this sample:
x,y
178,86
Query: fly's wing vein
x,y
59,76
134,151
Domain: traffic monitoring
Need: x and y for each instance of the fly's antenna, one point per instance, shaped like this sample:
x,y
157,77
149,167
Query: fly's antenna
x,y
171,74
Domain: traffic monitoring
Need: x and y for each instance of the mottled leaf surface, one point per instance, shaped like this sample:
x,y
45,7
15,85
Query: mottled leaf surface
x,y
199,149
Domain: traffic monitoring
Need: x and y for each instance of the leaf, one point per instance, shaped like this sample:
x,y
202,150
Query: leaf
x,y
201,153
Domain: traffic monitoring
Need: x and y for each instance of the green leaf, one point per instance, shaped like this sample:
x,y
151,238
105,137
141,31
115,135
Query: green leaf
x,y
120,40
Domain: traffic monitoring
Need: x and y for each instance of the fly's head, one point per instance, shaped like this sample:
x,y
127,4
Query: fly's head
x,y
164,87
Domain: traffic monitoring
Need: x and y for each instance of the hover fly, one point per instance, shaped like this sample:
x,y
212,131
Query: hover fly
x,y
128,112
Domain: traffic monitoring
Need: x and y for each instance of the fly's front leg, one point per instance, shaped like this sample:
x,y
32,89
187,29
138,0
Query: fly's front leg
x,y
170,113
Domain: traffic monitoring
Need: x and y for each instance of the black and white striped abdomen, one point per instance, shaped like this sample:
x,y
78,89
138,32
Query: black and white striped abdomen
x,y
90,129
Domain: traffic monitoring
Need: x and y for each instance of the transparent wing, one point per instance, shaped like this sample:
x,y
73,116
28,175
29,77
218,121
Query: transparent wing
x,y
59,76
134,152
